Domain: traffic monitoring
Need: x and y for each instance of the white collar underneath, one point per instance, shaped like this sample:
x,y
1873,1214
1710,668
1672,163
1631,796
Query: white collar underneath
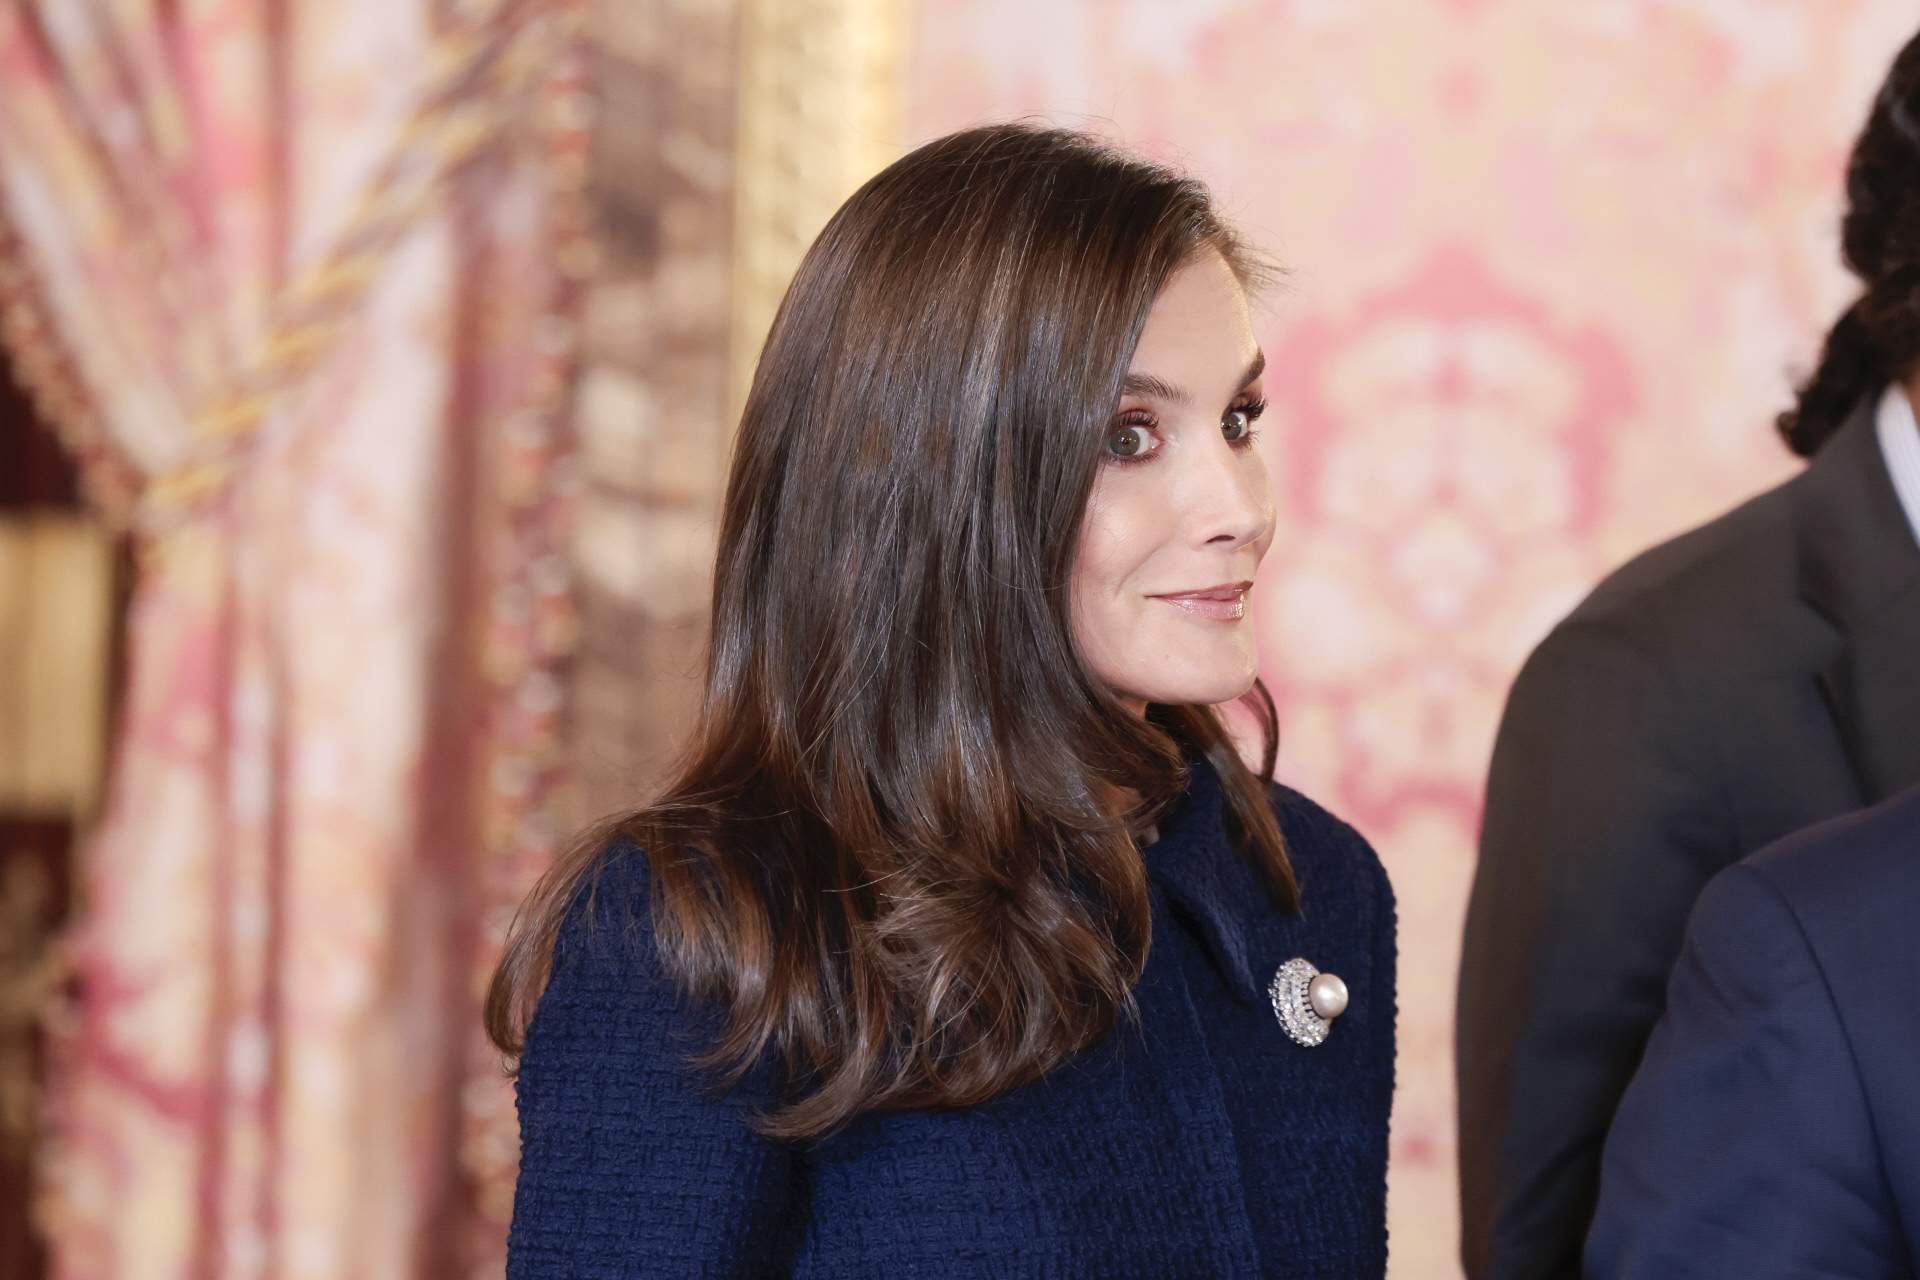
x,y
1900,446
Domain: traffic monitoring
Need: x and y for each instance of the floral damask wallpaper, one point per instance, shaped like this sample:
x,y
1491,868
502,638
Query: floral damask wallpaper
x,y
1552,268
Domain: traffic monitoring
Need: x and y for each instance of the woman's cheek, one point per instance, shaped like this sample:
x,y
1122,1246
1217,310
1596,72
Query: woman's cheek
x,y
1117,535
1103,572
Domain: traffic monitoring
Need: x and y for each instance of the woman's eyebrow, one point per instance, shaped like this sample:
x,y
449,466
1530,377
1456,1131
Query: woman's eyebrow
x,y
1149,387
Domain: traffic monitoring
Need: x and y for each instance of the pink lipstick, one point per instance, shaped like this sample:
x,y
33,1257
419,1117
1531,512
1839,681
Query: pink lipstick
x,y
1226,602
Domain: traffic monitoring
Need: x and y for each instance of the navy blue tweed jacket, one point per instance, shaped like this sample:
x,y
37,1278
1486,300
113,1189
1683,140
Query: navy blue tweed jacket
x,y
1203,1143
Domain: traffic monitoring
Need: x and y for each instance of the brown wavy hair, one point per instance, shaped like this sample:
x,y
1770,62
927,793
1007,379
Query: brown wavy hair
x,y
895,855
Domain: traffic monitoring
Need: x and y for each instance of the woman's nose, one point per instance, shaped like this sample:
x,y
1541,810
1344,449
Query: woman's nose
x,y
1232,499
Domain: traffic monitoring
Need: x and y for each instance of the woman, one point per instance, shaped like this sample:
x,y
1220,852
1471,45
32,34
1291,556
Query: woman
x,y
948,951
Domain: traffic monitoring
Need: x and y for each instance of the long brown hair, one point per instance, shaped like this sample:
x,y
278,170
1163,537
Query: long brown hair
x,y
891,856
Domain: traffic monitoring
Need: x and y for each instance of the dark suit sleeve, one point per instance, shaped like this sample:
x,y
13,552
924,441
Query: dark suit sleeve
x,y
1604,820
629,1166
1744,1146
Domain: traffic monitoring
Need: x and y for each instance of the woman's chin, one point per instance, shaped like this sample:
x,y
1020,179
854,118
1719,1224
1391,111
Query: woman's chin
x,y
1203,688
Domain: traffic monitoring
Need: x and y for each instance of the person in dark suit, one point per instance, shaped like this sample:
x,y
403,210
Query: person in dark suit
x,y
1745,680
1773,1128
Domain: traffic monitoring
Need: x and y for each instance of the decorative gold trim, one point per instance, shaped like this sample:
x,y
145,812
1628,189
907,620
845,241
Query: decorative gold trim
x,y
821,110
530,629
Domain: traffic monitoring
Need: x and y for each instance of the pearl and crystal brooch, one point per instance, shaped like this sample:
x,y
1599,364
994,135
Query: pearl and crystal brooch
x,y
1306,1001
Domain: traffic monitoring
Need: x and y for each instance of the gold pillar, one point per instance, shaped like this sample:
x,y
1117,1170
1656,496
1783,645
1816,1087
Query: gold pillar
x,y
56,629
56,605
819,111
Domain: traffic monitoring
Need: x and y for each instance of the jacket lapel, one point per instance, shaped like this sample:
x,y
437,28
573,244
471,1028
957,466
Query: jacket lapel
x,y
1875,687
1206,879
1860,569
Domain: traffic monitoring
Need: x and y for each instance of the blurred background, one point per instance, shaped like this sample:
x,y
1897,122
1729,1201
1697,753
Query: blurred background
x,y
369,369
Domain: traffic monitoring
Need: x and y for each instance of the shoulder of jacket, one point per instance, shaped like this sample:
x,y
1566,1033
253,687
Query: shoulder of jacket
x,y
1320,842
609,919
1838,869
1701,590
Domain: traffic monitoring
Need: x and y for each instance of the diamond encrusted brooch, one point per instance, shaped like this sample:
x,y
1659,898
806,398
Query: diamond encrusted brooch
x,y
1306,1001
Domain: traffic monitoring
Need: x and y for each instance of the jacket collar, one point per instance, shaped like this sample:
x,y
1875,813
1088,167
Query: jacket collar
x,y
1860,569
1207,879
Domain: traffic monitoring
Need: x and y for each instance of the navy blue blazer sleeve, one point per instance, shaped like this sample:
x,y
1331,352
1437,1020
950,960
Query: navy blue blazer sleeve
x,y
629,1165
1744,1146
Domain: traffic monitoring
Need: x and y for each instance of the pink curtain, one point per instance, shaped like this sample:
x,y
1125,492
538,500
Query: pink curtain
x,y
297,283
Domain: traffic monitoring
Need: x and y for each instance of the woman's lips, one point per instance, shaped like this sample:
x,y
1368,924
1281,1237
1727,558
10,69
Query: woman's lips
x,y
1224,603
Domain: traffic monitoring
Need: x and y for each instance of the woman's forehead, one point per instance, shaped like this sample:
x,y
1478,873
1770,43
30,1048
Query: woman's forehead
x,y
1199,334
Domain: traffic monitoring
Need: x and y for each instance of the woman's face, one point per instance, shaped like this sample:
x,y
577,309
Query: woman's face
x,y
1181,511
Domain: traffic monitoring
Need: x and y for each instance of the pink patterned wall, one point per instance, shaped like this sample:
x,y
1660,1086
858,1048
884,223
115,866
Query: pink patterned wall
x,y
1552,267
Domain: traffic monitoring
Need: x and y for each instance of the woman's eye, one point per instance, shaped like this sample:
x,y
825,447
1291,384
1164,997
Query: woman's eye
x,y
1130,442
1237,426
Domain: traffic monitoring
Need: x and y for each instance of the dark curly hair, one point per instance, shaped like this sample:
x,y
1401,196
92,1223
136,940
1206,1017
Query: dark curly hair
x,y
1877,339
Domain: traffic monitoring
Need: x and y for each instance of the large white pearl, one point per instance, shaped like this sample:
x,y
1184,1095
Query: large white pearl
x,y
1328,995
